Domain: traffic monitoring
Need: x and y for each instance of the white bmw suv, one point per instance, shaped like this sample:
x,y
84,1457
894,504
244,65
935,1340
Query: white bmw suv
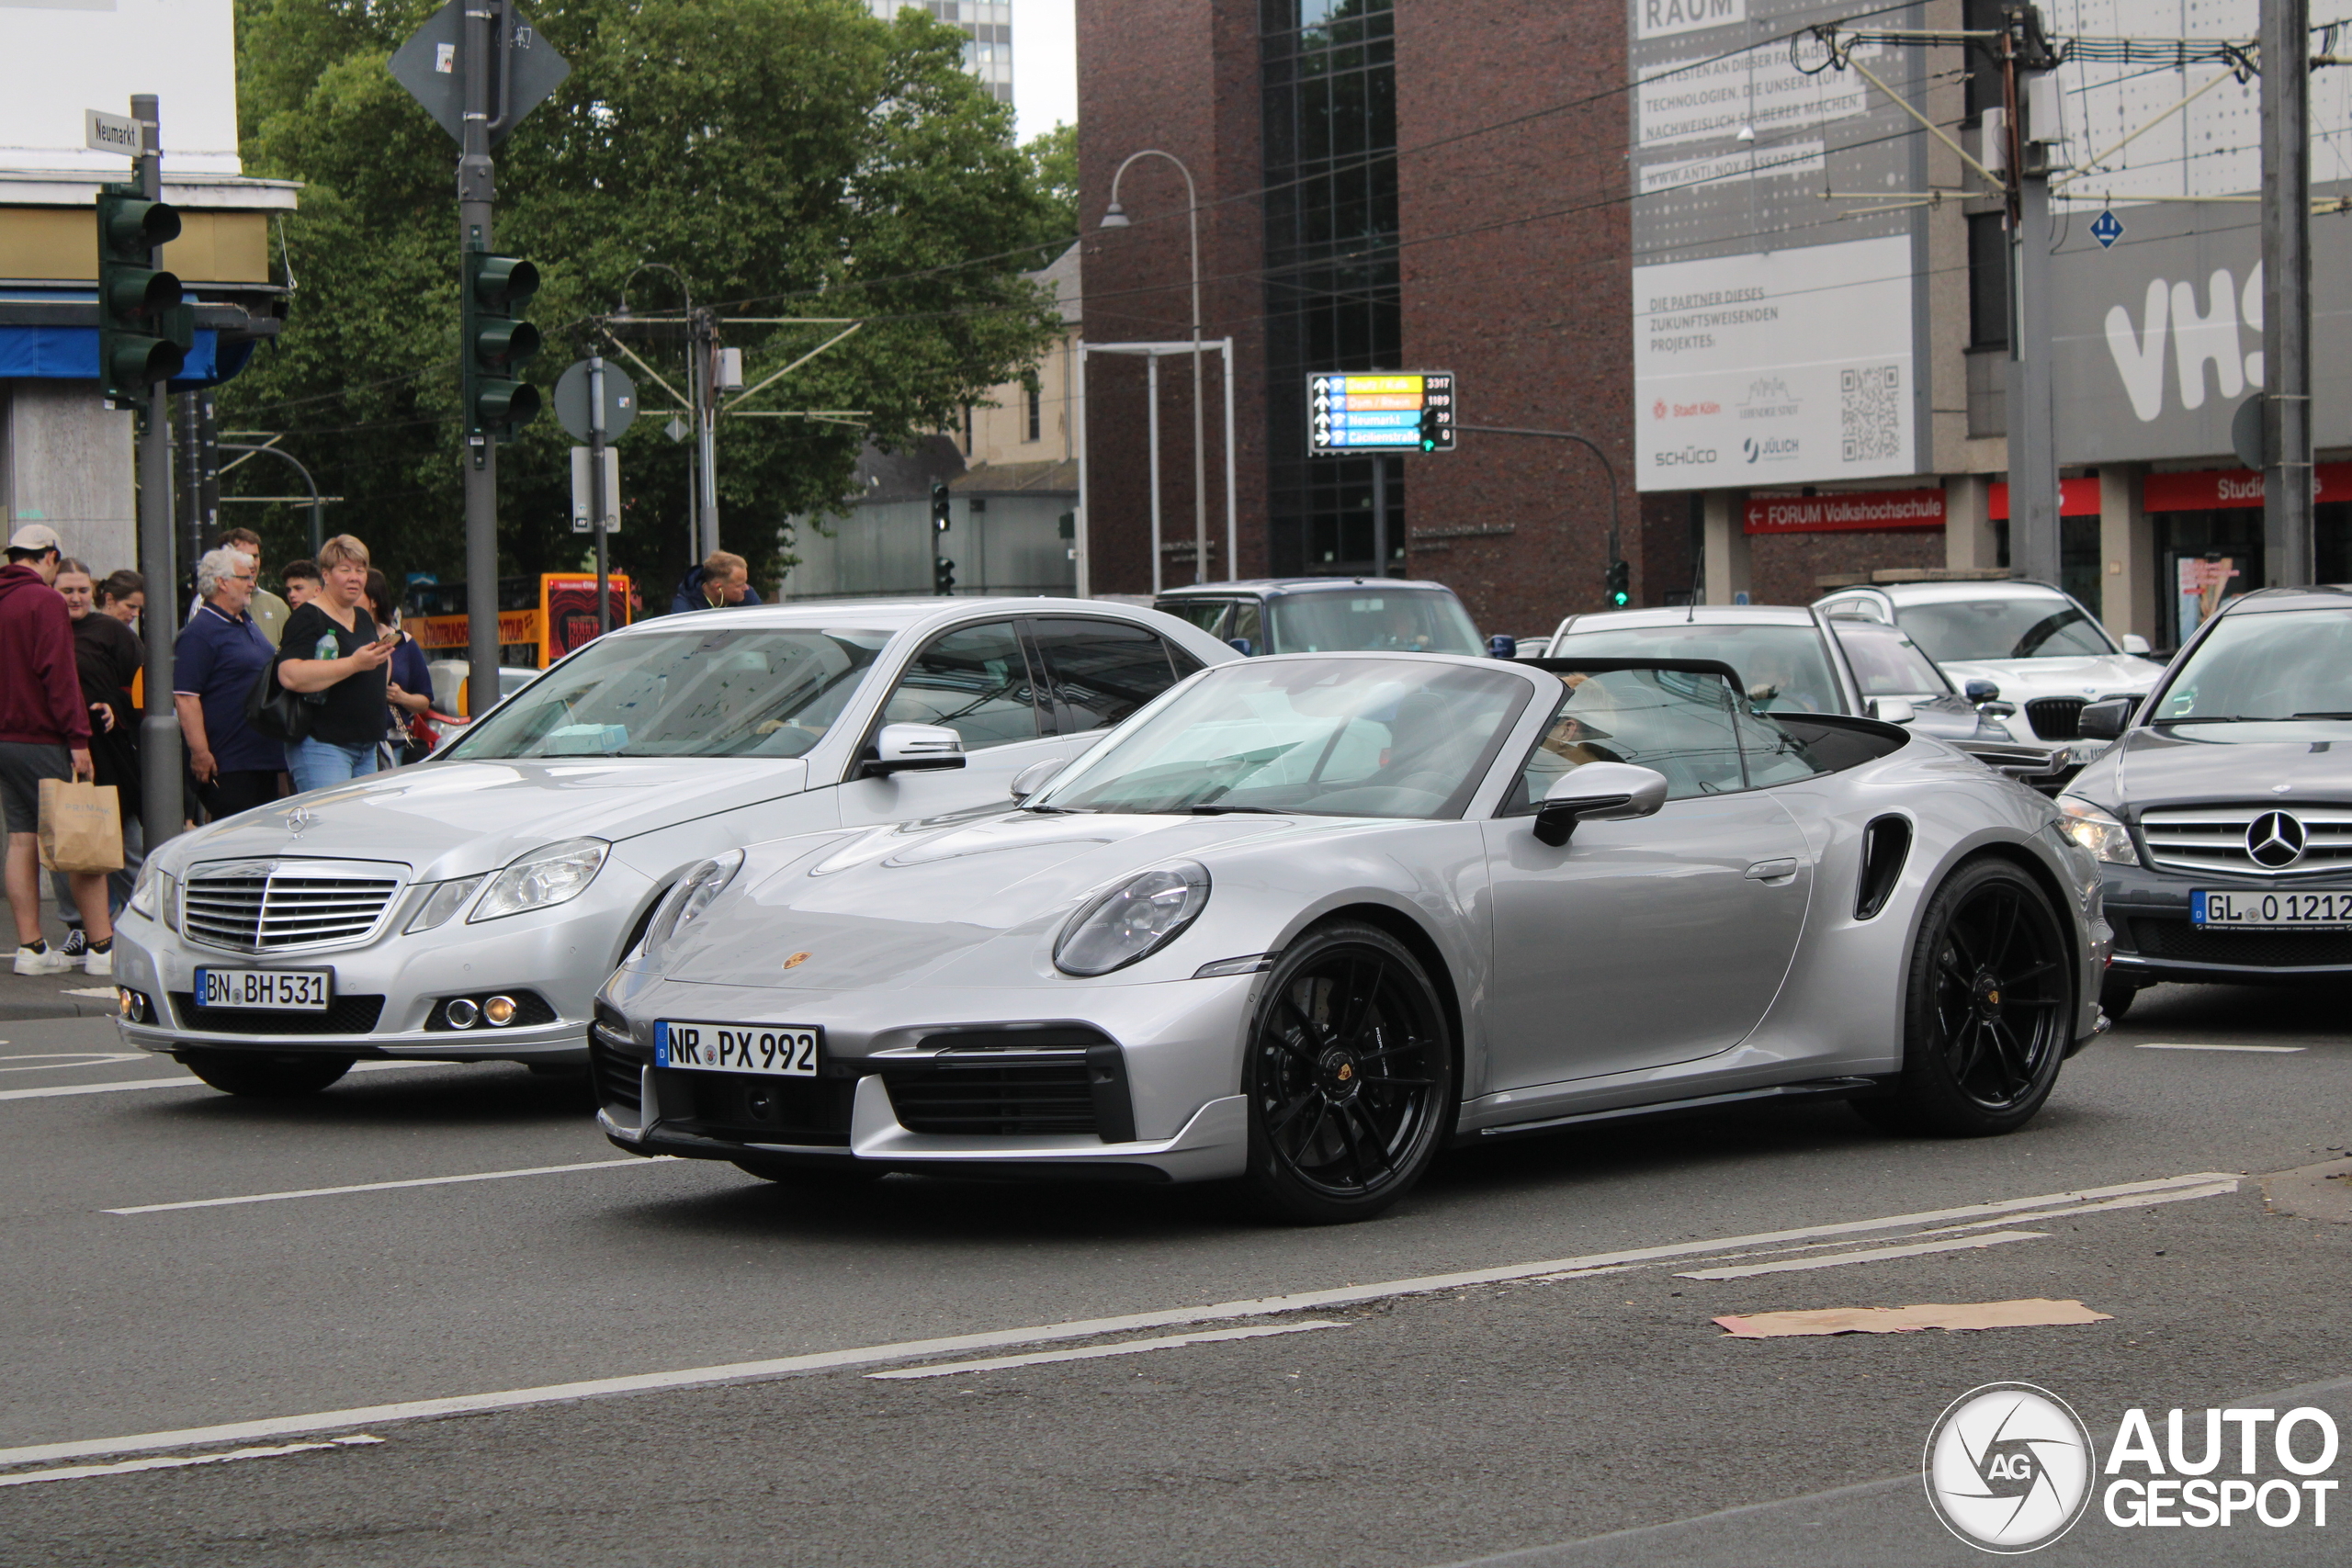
x,y
2047,656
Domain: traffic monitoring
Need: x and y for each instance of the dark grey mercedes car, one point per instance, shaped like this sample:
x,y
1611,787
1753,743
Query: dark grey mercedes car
x,y
2222,820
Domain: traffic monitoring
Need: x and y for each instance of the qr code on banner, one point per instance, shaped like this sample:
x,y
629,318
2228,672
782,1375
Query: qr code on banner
x,y
1871,413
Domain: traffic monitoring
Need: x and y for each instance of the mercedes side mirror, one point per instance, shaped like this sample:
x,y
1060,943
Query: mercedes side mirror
x,y
1892,710
1502,646
2134,643
2106,721
1243,646
911,748
1981,690
1034,777
1598,791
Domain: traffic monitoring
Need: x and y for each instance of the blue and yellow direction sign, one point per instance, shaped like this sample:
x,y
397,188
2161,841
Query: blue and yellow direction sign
x,y
1349,412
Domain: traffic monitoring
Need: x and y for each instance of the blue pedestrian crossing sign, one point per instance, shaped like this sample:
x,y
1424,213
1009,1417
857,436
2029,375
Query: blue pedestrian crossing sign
x,y
2107,228
1349,411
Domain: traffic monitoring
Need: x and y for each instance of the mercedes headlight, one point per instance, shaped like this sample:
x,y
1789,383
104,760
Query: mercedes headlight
x,y
1132,921
446,900
694,894
2098,831
156,895
553,876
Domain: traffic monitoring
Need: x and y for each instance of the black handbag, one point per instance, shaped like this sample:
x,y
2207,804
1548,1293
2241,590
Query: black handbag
x,y
274,711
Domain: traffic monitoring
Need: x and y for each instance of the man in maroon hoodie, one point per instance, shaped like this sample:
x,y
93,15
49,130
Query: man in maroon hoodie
x,y
44,734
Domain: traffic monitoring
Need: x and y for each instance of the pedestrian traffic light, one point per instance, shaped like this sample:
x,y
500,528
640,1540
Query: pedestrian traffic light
x,y
1621,585
942,575
940,517
496,341
144,333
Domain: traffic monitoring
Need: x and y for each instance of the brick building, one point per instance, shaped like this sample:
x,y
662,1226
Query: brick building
x,y
1495,246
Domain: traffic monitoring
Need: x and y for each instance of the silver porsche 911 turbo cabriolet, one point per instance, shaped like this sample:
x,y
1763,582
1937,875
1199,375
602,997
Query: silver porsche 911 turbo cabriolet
x,y
1305,919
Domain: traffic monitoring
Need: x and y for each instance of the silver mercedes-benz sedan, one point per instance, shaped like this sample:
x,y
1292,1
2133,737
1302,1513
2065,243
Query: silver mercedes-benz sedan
x,y
466,908
1308,918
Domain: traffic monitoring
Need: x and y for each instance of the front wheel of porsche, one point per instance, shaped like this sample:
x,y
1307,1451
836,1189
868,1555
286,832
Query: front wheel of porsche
x,y
1349,1075
1990,1008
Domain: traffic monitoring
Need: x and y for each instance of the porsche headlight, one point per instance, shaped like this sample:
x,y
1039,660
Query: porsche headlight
x,y
694,894
1132,921
443,904
2098,831
556,874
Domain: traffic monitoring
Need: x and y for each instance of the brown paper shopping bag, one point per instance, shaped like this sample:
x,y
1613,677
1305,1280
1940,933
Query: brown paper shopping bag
x,y
81,826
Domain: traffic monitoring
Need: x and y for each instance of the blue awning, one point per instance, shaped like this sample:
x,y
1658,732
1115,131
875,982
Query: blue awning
x,y
71,354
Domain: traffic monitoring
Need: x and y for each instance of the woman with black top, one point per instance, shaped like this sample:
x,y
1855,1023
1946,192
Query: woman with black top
x,y
332,654
106,655
408,678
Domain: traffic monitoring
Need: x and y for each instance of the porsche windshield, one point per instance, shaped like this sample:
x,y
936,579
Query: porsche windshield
x,y
2037,626
1325,737
2291,665
704,692
1786,669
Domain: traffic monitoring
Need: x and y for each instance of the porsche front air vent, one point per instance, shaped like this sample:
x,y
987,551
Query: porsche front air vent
x,y
283,905
1012,1083
1886,843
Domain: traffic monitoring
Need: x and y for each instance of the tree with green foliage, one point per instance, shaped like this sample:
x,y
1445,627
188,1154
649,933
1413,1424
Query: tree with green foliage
x,y
796,161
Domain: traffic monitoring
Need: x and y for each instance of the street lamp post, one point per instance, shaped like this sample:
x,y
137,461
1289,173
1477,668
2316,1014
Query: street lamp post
x,y
1116,217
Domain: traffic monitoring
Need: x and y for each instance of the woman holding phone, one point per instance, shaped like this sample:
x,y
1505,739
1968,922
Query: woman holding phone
x,y
334,656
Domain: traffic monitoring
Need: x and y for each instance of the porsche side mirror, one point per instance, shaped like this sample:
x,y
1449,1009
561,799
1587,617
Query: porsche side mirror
x,y
908,747
1598,791
1502,646
1892,710
2106,721
1035,776
2134,643
1981,690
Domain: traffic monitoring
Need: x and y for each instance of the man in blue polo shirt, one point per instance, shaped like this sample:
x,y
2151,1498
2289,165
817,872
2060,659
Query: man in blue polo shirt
x,y
219,654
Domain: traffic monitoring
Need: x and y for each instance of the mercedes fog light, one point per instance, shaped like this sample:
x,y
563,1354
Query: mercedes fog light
x,y
462,1013
499,1011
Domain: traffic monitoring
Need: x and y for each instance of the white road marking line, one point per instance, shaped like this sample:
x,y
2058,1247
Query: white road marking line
x,y
1087,1328
1096,1352
188,1081
108,992
1874,1255
388,1186
2140,1201
62,1061
81,1471
2262,1050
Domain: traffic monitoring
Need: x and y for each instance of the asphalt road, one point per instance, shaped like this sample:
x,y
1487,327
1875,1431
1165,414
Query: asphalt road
x,y
1596,1418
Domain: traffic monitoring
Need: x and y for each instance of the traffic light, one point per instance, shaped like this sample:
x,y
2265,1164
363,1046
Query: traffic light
x,y
496,341
1621,585
144,333
940,517
1434,435
942,575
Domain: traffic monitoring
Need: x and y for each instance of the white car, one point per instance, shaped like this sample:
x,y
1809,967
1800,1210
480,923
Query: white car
x,y
466,908
2046,657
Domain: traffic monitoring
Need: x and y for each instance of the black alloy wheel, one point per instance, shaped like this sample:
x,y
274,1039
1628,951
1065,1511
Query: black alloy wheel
x,y
1990,1010
1349,1075
265,1075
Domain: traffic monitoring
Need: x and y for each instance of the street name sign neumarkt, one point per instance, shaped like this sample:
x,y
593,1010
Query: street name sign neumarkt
x,y
1349,411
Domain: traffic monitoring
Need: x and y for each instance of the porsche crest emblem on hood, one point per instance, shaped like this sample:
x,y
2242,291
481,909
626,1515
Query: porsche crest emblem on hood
x,y
795,961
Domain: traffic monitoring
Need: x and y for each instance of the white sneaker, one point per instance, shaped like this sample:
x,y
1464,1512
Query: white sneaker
x,y
42,961
96,962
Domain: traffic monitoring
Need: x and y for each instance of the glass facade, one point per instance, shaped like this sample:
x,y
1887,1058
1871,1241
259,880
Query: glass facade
x,y
1329,78
988,31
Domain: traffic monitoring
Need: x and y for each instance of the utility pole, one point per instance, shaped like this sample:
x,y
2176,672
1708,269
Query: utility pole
x,y
477,191
702,386
2028,94
597,500
2287,475
162,811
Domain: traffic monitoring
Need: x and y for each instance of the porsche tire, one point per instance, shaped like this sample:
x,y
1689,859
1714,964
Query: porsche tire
x,y
265,1075
1988,1010
1349,1075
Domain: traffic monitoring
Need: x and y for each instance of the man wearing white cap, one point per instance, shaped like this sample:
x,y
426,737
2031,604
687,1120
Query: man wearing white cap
x,y
44,734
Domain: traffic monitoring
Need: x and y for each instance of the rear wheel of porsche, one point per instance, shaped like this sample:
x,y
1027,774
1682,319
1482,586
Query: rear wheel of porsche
x,y
1991,1004
1348,1076
265,1075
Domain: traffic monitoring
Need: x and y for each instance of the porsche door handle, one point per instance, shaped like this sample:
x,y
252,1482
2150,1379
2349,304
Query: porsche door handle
x,y
1773,870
